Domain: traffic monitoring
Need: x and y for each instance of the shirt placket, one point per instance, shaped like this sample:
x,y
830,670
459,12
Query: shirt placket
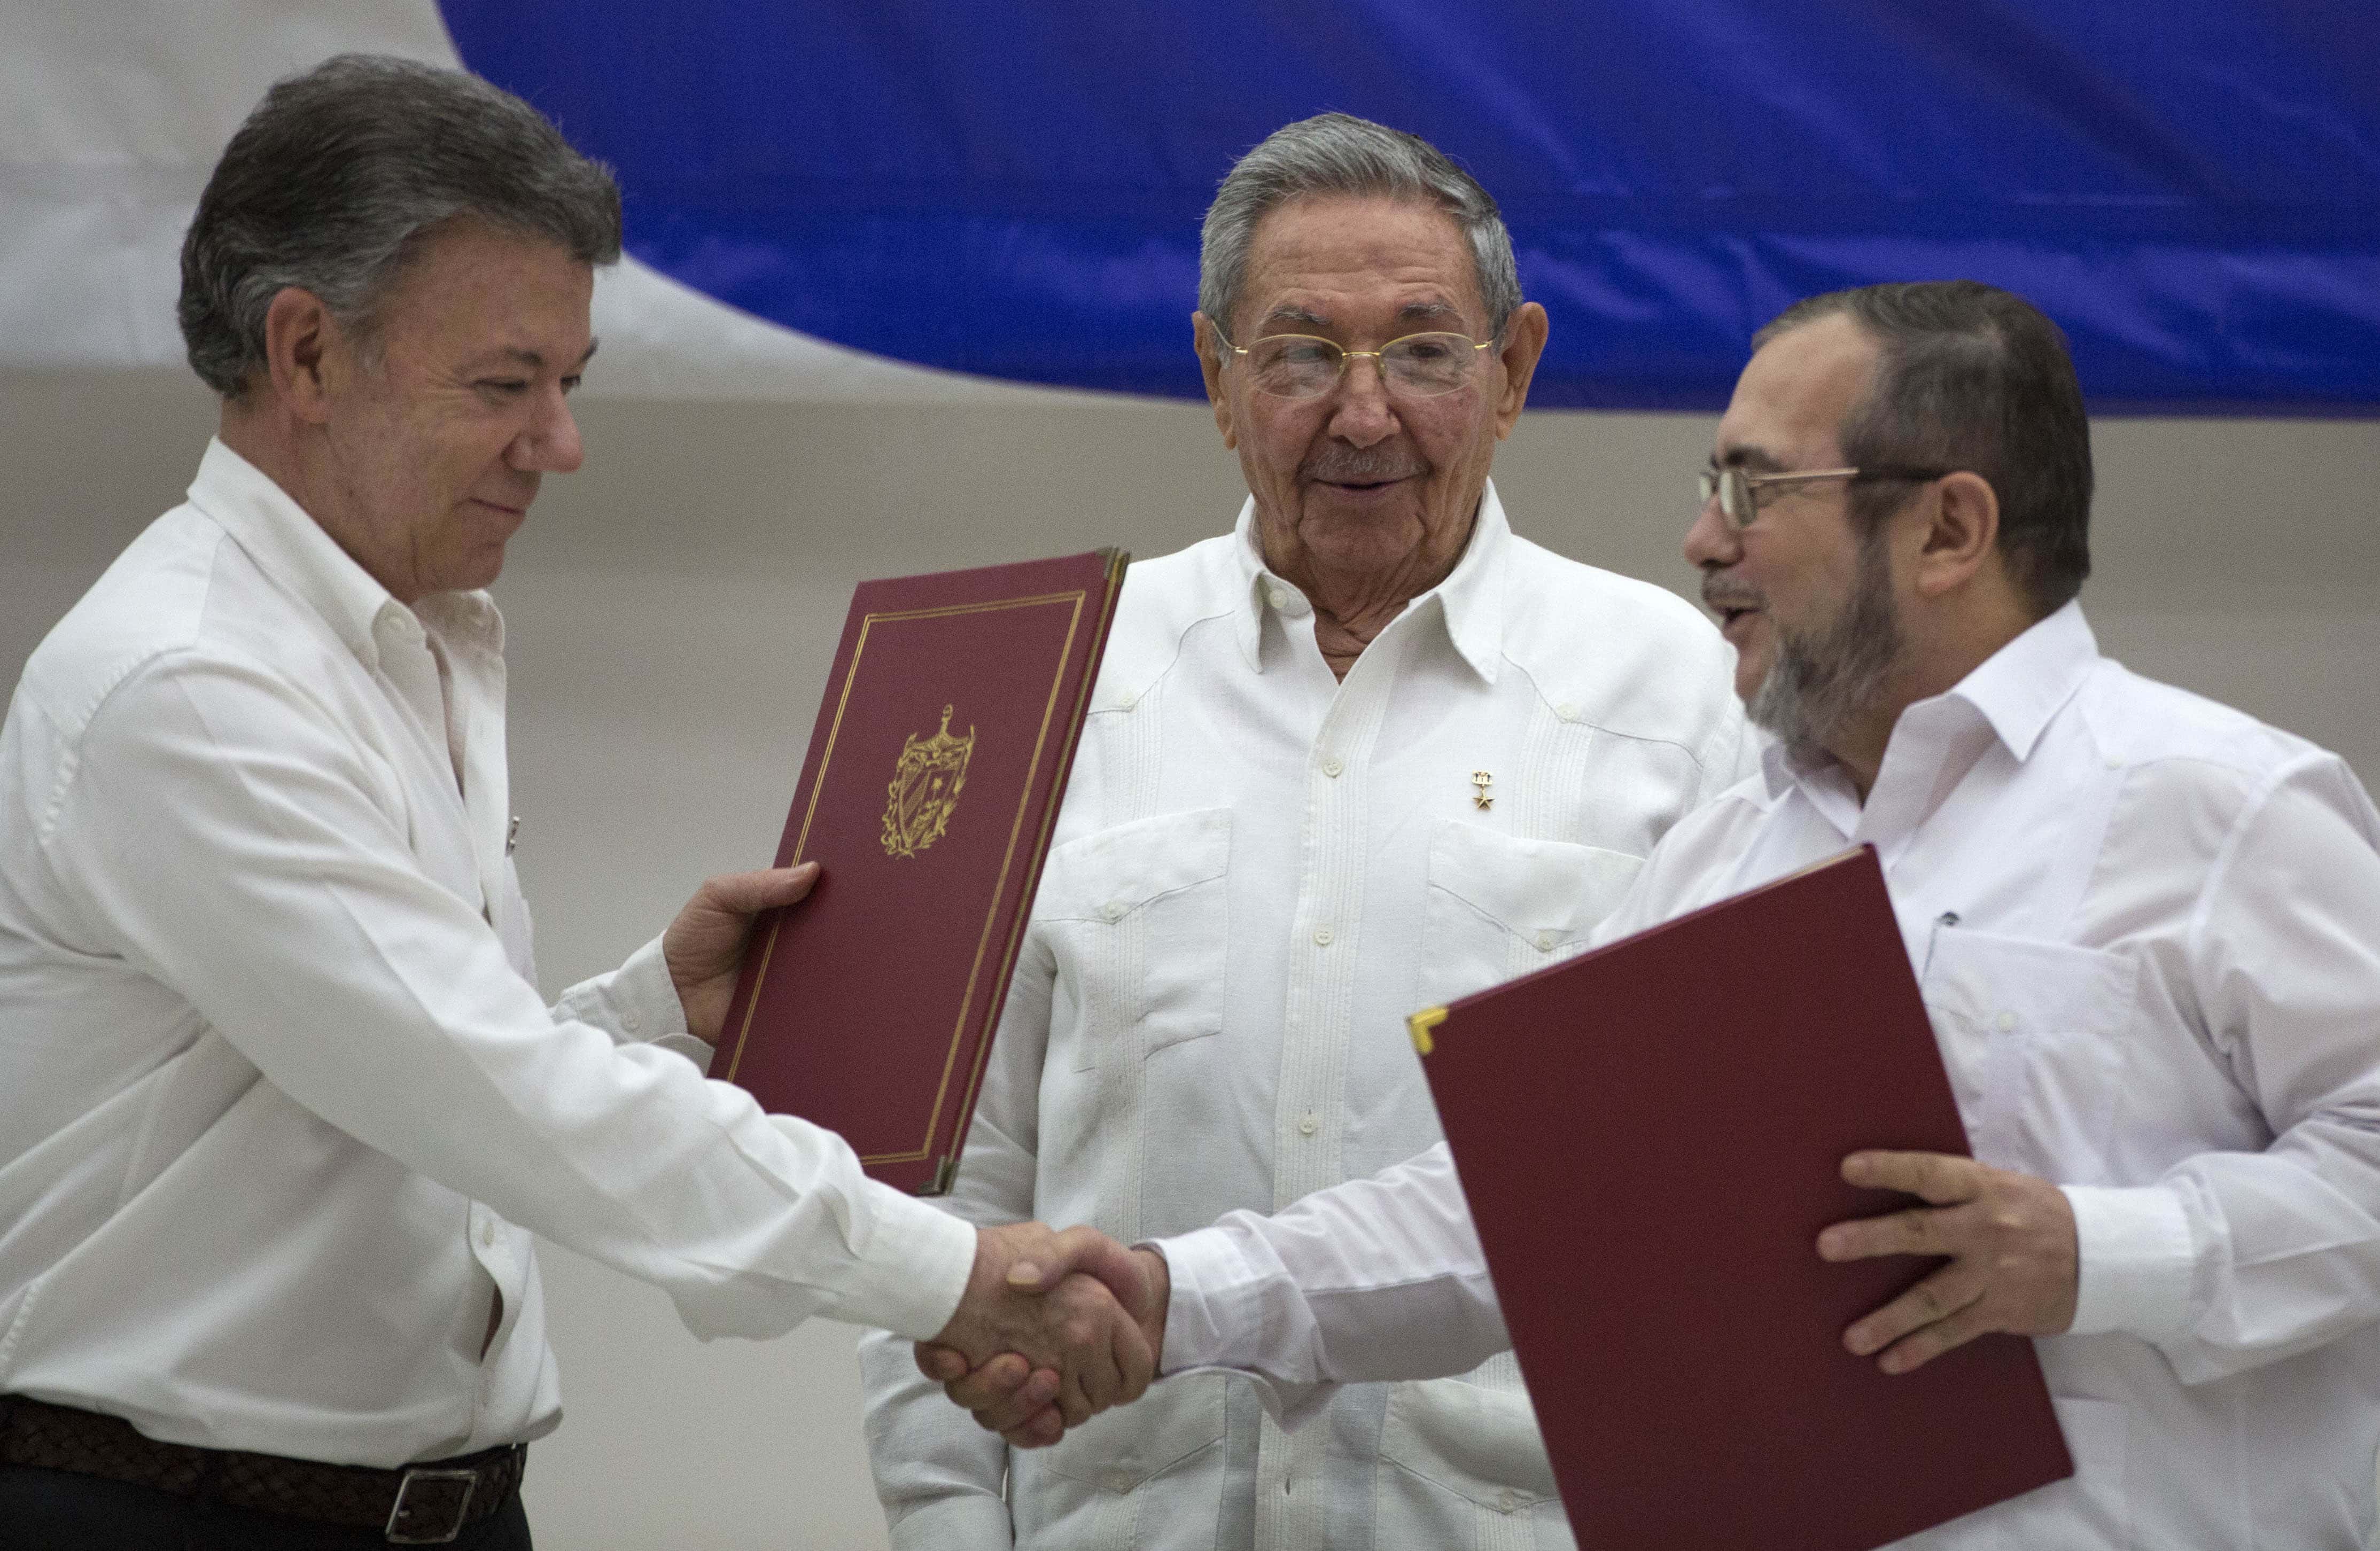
x,y
459,712
1317,1025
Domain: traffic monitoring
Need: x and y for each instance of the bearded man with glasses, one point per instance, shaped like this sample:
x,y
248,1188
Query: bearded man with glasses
x,y
1368,751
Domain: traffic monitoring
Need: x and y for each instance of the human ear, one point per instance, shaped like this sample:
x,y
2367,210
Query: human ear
x,y
1207,340
1524,341
301,337
1963,531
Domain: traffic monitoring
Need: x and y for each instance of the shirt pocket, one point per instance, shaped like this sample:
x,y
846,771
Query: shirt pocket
x,y
1136,917
2032,1034
1465,1457
1074,1493
1500,905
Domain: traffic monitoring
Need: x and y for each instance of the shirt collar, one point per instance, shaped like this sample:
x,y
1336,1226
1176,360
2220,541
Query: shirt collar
x,y
1470,601
2020,687
2016,691
289,545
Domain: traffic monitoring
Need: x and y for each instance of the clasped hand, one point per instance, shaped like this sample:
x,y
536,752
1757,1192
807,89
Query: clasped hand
x,y
2009,1239
1056,1326
1030,1364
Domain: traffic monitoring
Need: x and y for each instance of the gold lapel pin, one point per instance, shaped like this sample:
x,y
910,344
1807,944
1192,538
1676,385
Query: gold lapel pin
x,y
1480,779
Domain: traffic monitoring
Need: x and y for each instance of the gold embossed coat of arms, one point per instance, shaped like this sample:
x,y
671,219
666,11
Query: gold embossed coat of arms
x,y
924,788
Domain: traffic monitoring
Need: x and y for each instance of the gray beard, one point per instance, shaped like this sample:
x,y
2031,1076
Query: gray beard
x,y
1821,683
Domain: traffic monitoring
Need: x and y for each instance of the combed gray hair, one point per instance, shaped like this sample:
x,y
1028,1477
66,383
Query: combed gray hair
x,y
335,179
1337,154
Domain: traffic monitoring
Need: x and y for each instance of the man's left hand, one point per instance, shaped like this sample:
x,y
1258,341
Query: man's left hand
x,y
2010,1238
704,947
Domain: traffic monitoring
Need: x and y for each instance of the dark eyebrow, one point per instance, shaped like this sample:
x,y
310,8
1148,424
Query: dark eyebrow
x,y
1430,311
1758,460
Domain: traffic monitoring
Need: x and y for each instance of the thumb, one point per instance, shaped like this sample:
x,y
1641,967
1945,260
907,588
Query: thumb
x,y
749,894
1101,1258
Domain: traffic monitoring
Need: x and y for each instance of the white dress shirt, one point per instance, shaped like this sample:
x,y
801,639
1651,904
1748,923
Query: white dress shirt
x,y
2147,929
275,1083
1259,871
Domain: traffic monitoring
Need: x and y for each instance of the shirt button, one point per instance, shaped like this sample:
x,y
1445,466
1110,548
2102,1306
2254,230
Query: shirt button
x,y
631,1022
1332,766
1567,713
1127,700
1112,911
1277,597
1507,1500
488,1233
1546,943
1308,1125
1322,937
1119,1482
2007,1022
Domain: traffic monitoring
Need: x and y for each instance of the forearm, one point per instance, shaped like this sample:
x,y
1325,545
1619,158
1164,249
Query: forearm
x,y
635,1004
1374,1279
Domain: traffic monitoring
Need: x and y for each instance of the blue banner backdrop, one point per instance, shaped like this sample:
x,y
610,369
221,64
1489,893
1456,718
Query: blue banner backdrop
x,y
2193,190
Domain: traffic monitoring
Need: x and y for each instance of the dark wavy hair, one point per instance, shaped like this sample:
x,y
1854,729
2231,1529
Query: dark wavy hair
x,y
336,180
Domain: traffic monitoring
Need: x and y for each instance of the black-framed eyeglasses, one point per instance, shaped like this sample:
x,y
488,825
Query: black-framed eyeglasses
x,y
1738,489
1307,366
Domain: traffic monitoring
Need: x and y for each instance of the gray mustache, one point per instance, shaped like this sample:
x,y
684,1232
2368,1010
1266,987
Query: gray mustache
x,y
1359,467
1722,597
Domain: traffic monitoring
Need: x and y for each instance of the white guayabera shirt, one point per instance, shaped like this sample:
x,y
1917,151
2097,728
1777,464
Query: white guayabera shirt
x,y
1259,871
275,1083
2148,929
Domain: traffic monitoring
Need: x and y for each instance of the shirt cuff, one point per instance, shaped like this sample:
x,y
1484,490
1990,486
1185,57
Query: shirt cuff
x,y
2135,1264
1202,1266
1214,1322
963,1521
636,1004
913,1268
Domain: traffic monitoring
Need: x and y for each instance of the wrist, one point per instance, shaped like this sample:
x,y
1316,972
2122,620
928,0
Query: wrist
x,y
1158,1279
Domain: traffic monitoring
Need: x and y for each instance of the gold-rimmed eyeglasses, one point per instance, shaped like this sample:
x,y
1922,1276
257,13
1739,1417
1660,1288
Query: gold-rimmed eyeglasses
x,y
1307,366
1738,489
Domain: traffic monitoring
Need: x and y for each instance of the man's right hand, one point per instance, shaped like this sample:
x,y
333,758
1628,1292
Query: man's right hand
x,y
1048,1302
1026,1404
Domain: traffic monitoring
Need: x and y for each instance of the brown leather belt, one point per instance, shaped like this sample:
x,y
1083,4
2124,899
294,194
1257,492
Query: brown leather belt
x,y
428,1504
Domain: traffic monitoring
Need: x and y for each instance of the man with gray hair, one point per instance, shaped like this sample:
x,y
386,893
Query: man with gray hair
x,y
280,1105
1368,751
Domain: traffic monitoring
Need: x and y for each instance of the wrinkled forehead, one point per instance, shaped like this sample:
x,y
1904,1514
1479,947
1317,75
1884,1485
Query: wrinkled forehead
x,y
1789,404
474,289
1335,264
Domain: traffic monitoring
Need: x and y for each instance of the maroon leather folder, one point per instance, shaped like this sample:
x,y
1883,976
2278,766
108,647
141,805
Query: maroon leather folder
x,y
1649,1137
932,779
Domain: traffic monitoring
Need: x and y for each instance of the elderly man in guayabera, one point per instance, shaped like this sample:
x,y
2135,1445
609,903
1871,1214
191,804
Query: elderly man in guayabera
x,y
2147,926
1368,751
280,1105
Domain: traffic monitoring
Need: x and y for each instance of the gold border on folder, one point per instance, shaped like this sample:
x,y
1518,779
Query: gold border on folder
x,y
1421,1023
801,844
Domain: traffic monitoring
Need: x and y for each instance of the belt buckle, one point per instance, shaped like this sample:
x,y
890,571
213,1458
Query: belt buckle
x,y
417,1535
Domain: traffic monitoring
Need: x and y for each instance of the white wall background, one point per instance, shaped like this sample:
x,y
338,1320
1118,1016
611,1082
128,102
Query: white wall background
x,y
673,609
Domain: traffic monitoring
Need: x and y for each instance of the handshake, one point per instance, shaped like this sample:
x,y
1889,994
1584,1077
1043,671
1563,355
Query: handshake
x,y
1054,1328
